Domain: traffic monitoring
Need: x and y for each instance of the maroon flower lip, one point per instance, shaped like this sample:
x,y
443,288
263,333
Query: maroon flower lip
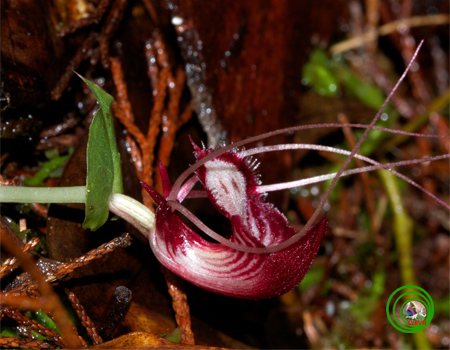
x,y
231,187
265,257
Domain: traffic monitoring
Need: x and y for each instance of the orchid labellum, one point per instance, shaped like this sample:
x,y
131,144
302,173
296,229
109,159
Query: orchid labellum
x,y
264,257
231,186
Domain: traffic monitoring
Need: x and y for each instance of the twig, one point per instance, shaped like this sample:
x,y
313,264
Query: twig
x,y
364,176
117,310
152,66
170,123
180,306
373,17
389,28
11,263
103,39
85,319
52,302
123,112
13,342
162,118
87,21
34,325
82,54
154,128
97,253
21,302
440,64
112,23
64,269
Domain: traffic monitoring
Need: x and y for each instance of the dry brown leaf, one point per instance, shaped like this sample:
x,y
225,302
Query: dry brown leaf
x,y
141,340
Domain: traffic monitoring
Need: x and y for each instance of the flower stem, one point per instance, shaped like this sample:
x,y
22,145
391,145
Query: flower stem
x,y
126,207
403,231
18,194
132,211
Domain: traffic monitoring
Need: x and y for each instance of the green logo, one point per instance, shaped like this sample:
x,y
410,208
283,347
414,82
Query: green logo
x,y
414,306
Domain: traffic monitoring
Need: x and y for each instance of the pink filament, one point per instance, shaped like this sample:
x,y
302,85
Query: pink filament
x,y
175,192
377,166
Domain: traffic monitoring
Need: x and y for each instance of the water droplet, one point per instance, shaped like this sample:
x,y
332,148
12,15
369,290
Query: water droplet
x,y
345,305
415,67
384,117
304,193
330,308
176,21
434,329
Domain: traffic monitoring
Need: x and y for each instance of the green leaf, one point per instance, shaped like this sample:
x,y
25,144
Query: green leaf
x,y
41,317
9,332
174,337
47,169
314,276
318,74
104,175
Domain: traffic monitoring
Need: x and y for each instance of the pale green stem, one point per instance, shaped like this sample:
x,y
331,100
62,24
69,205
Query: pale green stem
x,y
126,207
403,231
132,211
19,194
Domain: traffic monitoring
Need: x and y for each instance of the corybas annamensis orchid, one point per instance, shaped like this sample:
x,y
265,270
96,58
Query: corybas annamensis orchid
x,y
264,257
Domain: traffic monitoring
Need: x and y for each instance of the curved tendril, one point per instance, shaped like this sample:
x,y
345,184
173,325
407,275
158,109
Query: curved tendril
x,y
173,194
320,178
377,166
355,149
178,183
275,187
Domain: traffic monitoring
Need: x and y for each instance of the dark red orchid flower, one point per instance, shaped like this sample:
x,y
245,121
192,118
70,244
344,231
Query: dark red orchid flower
x,y
265,257
231,186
